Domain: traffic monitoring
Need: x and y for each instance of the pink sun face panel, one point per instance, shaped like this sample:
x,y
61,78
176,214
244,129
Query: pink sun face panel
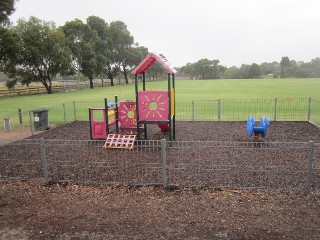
x,y
153,105
127,114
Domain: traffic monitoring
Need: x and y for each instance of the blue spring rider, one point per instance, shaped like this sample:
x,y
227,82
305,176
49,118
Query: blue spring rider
x,y
257,130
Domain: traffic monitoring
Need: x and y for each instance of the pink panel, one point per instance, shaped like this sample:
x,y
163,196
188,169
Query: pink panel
x,y
98,128
124,108
153,105
150,59
120,141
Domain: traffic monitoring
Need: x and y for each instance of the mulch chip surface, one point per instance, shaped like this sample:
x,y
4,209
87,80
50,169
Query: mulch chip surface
x,y
33,210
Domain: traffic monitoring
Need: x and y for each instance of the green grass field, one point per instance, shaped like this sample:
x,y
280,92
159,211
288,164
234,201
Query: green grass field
x,y
186,90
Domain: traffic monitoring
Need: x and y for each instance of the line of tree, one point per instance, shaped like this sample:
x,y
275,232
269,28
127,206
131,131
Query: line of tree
x,y
202,69
37,51
210,69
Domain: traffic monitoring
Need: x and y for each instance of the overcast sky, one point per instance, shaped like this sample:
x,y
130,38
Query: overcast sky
x,y
233,31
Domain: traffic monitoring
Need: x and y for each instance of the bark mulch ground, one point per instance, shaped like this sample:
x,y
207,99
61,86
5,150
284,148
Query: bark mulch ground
x,y
202,131
31,210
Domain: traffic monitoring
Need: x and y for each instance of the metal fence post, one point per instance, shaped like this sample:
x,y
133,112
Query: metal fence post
x,y
275,110
219,110
309,108
192,110
30,118
44,160
309,168
20,115
164,162
74,111
64,113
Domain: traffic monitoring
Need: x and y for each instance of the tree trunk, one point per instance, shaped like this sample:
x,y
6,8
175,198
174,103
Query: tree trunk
x,y
91,82
48,87
125,73
111,80
50,90
126,77
78,79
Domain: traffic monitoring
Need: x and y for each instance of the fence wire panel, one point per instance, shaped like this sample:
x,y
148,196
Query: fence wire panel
x,y
89,162
282,109
82,108
56,114
68,112
21,160
183,111
241,109
18,119
238,165
19,126
197,110
315,112
293,109
316,168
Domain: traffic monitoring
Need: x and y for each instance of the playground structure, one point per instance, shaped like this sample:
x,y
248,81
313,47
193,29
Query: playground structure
x,y
257,130
131,117
118,117
155,107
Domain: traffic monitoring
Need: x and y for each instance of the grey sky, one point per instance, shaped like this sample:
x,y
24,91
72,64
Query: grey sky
x,y
233,31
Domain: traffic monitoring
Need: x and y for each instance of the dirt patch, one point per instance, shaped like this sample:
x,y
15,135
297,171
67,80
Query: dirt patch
x,y
18,134
119,212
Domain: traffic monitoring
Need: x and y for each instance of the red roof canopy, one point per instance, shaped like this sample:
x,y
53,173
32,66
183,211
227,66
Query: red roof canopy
x,y
150,59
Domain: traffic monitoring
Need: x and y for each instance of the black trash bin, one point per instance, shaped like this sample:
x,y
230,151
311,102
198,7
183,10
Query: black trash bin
x,y
40,119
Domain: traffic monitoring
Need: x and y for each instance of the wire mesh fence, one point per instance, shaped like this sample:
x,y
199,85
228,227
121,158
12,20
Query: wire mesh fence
x,y
315,185
240,109
239,165
278,109
197,110
291,166
226,165
314,111
21,160
89,162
